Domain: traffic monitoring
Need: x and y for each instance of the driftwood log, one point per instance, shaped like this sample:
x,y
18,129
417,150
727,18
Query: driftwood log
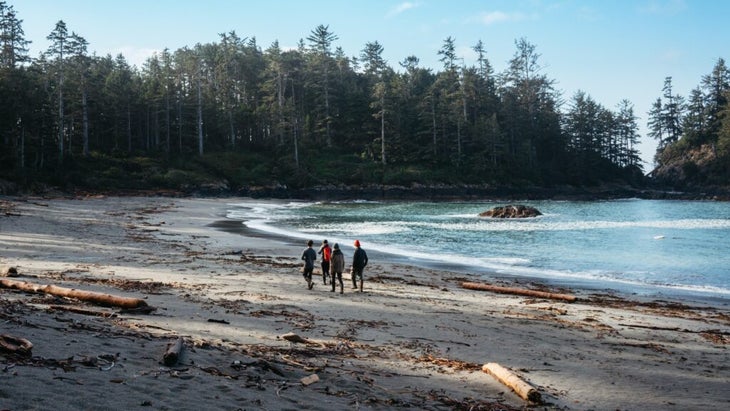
x,y
15,345
519,291
517,384
102,299
172,354
295,338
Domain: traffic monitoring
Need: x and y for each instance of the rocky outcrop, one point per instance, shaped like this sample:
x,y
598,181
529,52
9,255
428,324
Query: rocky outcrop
x,y
511,211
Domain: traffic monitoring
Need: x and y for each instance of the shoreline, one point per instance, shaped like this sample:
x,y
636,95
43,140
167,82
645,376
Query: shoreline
x,y
415,338
627,290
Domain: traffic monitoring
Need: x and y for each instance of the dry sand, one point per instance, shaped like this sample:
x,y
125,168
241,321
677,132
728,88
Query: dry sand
x,y
414,339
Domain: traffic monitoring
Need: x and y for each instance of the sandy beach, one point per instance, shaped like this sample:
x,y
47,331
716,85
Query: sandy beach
x,y
415,338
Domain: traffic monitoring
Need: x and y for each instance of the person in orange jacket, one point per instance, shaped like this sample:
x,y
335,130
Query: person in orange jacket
x,y
326,252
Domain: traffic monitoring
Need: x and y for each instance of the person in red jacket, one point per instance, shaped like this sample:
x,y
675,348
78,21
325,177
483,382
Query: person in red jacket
x,y
326,252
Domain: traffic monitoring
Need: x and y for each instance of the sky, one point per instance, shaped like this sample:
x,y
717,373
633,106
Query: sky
x,y
611,50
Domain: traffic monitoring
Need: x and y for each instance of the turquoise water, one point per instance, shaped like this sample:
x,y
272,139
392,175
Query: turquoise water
x,y
647,246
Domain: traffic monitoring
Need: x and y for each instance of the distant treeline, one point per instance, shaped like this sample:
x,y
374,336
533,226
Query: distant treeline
x,y
694,132
303,117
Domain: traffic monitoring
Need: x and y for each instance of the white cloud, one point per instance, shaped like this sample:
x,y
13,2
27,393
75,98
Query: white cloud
x,y
663,7
401,8
494,17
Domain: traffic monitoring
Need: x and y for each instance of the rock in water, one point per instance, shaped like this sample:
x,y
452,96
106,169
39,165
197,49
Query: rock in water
x,y
511,211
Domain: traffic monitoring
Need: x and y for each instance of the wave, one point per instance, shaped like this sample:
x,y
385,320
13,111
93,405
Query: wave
x,y
413,240
358,229
549,225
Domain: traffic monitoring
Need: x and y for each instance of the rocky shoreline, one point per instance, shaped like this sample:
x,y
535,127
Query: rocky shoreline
x,y
377,192
443,192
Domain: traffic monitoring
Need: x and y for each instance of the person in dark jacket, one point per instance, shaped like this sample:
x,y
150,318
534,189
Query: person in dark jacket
x,y
337,266
326,252
309,256
359,261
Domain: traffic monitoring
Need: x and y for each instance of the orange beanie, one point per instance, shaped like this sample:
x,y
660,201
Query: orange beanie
x,y
357,243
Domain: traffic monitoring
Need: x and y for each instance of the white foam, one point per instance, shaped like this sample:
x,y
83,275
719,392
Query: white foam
x,y
265,217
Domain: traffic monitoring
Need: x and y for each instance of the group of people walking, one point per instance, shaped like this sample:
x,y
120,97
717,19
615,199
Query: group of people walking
x,y
333,264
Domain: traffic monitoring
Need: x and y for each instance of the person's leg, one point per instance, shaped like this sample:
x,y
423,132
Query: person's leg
x,y
325,270
354,278
309,279
342,285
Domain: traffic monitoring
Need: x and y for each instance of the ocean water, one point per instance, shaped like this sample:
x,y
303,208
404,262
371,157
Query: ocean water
x,y
640,246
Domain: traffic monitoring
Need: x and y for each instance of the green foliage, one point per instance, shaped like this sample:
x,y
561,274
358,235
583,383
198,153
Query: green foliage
x,y
229,114
694,143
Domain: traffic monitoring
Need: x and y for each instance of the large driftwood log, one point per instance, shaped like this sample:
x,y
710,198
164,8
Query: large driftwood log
x,y
518,385
102,299
174,349
15,345
518,291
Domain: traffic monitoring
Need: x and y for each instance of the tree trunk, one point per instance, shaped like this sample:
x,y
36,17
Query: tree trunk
x,y
179,124
60,118
382,128
85,120
22,147
327,104
200,117
102,299
518,291
433,125
231,128
458,143
167,124
129,129
295,127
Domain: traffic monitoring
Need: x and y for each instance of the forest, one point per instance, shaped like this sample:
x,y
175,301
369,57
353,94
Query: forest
x,y
233,114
